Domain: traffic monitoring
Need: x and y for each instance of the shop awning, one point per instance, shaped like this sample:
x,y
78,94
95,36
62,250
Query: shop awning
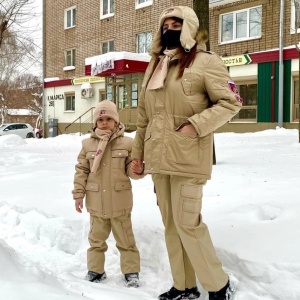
x,y
116,63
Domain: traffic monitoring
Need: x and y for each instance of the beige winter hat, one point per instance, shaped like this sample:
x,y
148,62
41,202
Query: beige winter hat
x,y
105,108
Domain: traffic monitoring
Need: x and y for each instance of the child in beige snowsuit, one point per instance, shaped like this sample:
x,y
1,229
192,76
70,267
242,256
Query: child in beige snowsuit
x,y
102,177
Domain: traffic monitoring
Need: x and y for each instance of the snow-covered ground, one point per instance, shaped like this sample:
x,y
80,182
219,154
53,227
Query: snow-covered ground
x,y
251,206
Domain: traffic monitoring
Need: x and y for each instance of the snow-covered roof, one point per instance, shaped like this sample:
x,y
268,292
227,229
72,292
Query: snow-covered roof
x,y
118,56
21,112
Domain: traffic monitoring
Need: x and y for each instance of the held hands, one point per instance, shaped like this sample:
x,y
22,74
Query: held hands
x,y
79,204
137,166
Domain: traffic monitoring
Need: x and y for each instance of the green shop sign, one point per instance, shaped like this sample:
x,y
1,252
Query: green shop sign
x,y
236,60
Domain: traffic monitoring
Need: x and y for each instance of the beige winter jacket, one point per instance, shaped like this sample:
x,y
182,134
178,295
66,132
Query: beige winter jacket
x,y
202,96
108,191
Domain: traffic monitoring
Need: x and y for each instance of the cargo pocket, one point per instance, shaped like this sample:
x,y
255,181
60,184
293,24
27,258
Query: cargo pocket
x,y
118,158
122,195
91,224
183,149
90,236
93,187
90,157
188,82
191,203
120,186
128,233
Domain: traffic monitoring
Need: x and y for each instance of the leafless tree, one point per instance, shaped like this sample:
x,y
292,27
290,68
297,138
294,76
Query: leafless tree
x,y
16,29
17,53
23,92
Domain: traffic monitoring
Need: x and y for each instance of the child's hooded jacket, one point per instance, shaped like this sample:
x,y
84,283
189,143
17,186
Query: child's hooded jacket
x,y
108,191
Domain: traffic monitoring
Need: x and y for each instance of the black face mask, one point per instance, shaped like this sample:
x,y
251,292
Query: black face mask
x,y
171,39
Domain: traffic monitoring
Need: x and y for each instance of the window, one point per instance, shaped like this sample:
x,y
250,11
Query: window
x,y
107,47
102,95
70,17
11,127
70,57
295,17
143,42
70,103
295,106
22,126
248,112
109,92
107,8
142,3
134,94
124,89
241,25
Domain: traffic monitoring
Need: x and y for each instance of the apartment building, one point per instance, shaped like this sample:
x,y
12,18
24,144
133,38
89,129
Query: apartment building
x,y
97,49
106,33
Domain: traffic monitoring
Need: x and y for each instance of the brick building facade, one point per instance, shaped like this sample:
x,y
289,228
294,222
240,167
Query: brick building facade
x,y
90,31
84,39
76,31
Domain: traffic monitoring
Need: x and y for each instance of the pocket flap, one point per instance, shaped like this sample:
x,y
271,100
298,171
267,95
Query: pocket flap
x,y
119,186
147,136
92,187
119,153
191,191
90,155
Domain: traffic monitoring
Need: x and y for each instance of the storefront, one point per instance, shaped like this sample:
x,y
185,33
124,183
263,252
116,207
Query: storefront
x,y
123,73
257,78
118,76
70,103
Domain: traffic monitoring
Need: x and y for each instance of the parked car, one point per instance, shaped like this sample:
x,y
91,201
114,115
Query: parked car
x,y
38,132
21,129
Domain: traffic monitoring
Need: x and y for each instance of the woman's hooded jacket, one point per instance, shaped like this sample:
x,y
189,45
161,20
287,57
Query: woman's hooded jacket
x,y
108,191
205,96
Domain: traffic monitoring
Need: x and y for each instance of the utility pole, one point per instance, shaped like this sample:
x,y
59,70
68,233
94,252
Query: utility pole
x,y
297,45
281,67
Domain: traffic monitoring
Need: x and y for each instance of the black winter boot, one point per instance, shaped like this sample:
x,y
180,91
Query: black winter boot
x,y
95,277
192,293
173,294
223,294
132,280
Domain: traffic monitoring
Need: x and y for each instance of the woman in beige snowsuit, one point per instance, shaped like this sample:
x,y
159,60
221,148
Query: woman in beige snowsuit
x,y
186,95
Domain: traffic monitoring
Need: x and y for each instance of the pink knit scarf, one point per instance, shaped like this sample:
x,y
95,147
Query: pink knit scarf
x,y
160,73
104,136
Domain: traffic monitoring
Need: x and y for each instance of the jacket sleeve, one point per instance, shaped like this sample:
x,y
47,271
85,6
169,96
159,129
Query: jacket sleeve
x,y
222,92
141,126
82,170
142,118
